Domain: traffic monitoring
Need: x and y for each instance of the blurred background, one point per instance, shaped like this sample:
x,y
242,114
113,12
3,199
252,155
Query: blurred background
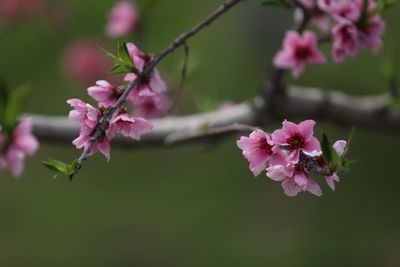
x,y
196,205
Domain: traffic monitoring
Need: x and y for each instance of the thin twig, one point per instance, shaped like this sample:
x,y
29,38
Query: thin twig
x,y
105,120
174,101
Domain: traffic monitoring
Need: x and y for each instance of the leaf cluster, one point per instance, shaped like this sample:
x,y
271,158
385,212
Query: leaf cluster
x,y
122,61
337,162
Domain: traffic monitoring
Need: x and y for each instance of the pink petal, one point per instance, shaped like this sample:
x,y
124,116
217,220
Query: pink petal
x,y
290,187
291,40
312,146
298,69
330,180
306,129
340,146
104,148
156,82
284,59
279,137
314,188
289,128
15,162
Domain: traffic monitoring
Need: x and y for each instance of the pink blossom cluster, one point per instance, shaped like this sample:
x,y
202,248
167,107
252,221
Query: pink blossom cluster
x,y
123,19
349,25
15,10
289,155
146,98
16,146
83,61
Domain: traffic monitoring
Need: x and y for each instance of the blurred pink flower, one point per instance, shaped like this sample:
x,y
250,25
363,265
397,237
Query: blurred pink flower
x,y
123,19
16,10
297,51
345,40
84,62
345,10
22,143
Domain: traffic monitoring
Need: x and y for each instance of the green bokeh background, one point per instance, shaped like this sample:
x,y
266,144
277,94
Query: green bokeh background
x,y
195,205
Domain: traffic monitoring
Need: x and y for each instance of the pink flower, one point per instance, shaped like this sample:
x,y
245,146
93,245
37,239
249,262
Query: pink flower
x,y
123,19
130,126
104,93
152,107
258,149
345,11
84,63
148,88
88,117
339,147
22,143
293,176
324,5
345,40
322,21
298,183
297,138
297,51
371,35
16,10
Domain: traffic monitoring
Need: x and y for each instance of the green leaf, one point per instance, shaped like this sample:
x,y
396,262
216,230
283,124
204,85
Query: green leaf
x,y
13,108
329,153
109,54
124,56
281,3
120,69
62,168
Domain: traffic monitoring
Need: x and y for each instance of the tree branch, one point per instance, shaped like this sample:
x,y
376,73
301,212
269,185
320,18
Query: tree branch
x,y
104,122
298,102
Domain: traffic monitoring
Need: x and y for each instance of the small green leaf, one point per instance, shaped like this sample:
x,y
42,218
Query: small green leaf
x,y
13,108
124,56
109,54
330,154
120,69
61,167
326,148
281,3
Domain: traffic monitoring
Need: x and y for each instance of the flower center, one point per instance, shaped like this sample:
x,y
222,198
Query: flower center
x,y
264,146
296,141
302,53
